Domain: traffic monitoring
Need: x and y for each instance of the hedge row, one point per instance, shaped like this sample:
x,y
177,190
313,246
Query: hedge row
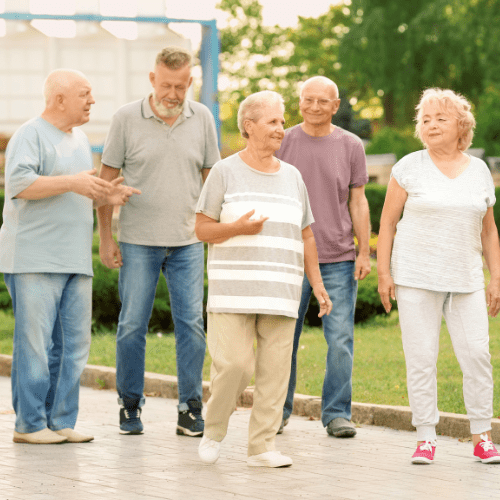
x,y
106,303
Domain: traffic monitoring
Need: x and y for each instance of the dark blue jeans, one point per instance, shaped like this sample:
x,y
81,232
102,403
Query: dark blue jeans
x,y
338,329
183,269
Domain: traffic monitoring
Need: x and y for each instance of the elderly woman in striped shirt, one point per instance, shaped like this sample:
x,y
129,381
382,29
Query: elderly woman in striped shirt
x,y
254,213
436,266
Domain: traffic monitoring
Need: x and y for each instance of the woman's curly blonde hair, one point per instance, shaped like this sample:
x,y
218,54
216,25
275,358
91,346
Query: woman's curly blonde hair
x,y
455,104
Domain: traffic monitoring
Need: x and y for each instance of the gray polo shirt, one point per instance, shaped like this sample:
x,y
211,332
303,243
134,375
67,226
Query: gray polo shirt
x,y
165,163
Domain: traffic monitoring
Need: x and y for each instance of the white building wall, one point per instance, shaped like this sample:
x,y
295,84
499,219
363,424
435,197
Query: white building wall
x,y
117,69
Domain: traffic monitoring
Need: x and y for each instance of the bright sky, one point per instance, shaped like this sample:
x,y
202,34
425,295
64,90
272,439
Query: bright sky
x,y
274,12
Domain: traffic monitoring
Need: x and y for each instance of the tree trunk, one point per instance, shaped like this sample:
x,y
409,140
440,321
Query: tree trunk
x,y
389,111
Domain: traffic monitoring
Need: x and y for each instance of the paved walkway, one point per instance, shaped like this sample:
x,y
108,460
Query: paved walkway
x,y
161,465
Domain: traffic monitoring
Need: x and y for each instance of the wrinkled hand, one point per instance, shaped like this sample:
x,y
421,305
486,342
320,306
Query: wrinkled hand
x,y
110,254
363,267
493,297
325,304
247,226
119,194
387,291
86,184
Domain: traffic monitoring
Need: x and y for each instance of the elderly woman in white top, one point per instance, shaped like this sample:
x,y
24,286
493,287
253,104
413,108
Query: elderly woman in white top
x,y
255,213
436,266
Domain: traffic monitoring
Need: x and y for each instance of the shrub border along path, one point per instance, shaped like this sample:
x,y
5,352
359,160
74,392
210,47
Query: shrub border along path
x,y
394,417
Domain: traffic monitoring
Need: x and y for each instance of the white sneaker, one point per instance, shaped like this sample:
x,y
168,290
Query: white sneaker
x,y
269,459
209,450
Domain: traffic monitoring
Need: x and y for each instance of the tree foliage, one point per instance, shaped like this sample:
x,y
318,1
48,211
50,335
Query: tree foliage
x,y
256,57
405,47
379,52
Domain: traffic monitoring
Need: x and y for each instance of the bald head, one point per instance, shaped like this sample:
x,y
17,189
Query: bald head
x,y
61,82
321,82
68,98
319,101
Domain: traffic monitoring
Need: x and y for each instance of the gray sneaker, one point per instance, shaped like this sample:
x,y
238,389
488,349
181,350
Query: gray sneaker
x,y
284,422
341,428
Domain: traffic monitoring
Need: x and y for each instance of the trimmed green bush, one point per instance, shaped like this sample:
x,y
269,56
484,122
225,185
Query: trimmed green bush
x,y
375,194
5,300
367,304
496,207
391,140
106,303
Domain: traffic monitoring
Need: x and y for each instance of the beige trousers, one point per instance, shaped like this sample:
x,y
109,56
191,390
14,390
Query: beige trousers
x,y
231,339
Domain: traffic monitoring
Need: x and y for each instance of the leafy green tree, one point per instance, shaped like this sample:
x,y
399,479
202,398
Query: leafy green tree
x,y
487,134
400,48
255,57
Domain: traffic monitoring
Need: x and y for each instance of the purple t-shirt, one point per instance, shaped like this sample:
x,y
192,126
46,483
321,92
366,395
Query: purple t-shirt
x,y
330,166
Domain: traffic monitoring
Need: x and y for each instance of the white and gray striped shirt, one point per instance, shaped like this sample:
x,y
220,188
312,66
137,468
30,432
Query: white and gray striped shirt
x,y
260,273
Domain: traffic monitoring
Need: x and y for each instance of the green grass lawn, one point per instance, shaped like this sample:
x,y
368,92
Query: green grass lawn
x,y
379,368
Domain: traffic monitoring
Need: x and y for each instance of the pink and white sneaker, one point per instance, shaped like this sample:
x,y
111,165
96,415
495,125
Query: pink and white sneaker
x,y
425,453
486,451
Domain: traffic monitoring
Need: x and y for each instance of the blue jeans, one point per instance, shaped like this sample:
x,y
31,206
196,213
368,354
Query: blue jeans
x,y
183,269
338,329
51,347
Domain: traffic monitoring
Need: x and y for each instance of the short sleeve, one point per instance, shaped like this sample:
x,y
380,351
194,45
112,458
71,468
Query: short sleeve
x,y
359,173
399,172
490,189
113,154
307,215
23,161
212,195
212,155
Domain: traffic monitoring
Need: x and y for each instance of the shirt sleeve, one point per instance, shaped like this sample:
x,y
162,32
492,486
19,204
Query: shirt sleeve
x,y
398,172
359,173
23,161
307,215
212,195
113,154
212,155
490,188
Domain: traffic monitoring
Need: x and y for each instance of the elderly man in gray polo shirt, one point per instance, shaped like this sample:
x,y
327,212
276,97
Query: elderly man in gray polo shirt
x,y
165,146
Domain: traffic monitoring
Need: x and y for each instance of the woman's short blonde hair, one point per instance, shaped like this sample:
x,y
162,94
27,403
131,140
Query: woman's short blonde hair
x,y
251,108
455,104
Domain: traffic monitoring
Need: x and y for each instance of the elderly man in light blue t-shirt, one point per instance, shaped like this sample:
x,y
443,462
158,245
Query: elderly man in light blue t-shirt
x,y
165,146
46,258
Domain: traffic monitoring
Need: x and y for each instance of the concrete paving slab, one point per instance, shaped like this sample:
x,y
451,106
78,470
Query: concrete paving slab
x,y
395,417
161,465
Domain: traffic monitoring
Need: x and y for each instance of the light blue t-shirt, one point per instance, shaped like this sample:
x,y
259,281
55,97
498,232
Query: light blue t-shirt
x,y
52,235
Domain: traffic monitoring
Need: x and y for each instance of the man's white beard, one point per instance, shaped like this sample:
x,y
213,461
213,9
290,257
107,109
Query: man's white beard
x,y
165,112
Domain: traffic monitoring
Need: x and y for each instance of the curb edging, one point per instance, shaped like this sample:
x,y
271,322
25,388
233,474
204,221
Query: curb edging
x,y
394,417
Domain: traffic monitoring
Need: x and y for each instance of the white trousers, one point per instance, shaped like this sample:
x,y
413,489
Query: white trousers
x,y
420,313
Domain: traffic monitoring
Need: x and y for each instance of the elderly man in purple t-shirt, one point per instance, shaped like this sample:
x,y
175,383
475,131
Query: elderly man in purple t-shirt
x,y
333,164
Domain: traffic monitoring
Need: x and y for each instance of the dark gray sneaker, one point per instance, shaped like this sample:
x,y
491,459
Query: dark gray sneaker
x,y
341,428
130,417
190,422
284,423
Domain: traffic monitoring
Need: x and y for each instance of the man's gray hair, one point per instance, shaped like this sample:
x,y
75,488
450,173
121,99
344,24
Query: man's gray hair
x,y
251,108
174,57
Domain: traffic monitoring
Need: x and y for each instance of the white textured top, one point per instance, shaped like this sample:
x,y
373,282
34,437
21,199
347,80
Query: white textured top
x,y
438,240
